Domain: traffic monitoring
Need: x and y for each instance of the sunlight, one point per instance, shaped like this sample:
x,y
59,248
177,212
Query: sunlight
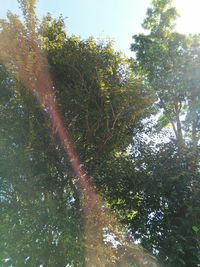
x,y
189,20
99,153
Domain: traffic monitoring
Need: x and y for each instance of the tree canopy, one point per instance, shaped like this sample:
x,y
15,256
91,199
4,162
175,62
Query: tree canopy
x,y
134,124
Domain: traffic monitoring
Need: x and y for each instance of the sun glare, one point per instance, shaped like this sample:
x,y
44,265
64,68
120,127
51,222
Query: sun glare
x,y
189,20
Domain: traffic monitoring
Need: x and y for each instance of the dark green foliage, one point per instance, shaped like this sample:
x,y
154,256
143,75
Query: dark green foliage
x,y
100,101
40,218
168,173
135,126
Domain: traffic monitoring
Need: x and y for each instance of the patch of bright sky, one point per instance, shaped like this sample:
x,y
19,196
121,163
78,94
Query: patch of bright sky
x,y
117,20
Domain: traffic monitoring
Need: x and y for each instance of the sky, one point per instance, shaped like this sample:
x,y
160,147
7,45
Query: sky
x,y
117,20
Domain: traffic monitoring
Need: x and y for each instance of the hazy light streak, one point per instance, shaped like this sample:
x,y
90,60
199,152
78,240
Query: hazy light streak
x,y
31,68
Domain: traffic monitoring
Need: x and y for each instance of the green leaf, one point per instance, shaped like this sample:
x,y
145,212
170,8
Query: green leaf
x,y
195,228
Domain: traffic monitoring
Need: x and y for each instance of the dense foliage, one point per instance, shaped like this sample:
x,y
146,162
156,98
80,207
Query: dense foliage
x,y
134,124
170,190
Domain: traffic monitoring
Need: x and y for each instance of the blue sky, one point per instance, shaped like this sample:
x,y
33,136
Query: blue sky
x,y
114,19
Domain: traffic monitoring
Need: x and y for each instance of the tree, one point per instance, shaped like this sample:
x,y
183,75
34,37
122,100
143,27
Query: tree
x,y
166,57
95,91
169,173
86,68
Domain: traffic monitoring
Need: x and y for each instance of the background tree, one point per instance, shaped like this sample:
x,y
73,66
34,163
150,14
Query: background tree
x,y
169,193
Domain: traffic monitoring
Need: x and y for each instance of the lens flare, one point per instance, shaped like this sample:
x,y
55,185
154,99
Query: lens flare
x,y
23,57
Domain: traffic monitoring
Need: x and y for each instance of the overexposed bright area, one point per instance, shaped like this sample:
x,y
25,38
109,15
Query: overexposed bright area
x,y
189,20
